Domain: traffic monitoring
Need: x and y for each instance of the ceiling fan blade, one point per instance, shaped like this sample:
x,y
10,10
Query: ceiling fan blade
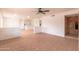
x,y
39,8
43,13
40,13
46,11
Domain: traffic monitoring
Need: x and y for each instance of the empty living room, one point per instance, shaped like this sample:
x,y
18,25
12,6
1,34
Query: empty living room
x,y
39,29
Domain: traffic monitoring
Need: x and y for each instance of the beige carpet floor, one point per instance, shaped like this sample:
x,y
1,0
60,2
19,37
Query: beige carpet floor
x,y
30,41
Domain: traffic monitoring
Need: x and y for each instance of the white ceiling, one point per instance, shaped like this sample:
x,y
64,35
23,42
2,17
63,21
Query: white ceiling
x,y
32,11
57,10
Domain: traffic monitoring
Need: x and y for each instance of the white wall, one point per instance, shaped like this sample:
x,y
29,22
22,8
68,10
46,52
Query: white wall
x,y
56,25
53,25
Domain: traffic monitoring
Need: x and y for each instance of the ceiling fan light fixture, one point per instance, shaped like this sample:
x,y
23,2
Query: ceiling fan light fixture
x,y
40,10
28,17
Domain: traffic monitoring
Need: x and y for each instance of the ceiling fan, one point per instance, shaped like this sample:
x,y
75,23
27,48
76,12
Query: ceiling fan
x,y
42,11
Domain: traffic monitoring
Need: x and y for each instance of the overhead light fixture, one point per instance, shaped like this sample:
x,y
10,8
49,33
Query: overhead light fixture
x,y
28,17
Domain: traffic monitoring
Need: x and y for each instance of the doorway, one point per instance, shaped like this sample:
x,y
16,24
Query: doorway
x,y
71,26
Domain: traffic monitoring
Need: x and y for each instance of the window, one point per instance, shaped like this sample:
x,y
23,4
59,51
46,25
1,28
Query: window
x,y
9,20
